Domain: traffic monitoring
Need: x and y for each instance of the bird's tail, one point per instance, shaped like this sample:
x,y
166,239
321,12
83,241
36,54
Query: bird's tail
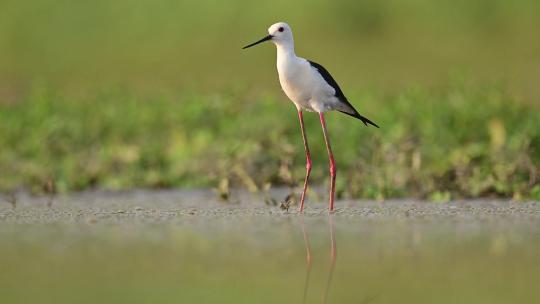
x,y
362,118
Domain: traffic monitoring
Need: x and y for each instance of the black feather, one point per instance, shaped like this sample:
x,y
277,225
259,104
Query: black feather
x,y
339,93
362,118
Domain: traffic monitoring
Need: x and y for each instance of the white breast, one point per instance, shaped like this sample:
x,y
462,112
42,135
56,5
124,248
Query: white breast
x,y
304,85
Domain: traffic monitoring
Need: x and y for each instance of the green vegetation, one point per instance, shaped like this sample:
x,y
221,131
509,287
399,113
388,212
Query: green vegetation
x,y
461,142
119,95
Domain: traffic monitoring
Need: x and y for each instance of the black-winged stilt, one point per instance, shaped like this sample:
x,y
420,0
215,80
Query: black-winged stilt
x,y
310,87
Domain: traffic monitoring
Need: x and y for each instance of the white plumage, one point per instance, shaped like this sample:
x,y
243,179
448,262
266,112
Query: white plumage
x,y
301,82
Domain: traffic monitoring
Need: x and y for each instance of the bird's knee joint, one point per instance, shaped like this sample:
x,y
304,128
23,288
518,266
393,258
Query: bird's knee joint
x,y
333,170
308,162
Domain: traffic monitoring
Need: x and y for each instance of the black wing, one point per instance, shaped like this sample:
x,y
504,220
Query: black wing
x,y
339,93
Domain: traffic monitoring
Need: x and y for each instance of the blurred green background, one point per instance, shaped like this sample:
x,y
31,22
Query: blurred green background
x,y
127,94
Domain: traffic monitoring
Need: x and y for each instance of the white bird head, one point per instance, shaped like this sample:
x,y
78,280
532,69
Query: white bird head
x,y
279,33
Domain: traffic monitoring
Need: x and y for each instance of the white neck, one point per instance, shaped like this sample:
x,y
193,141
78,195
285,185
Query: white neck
x,y
285,50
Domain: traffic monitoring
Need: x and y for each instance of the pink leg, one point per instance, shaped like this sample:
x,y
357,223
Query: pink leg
x,y
308,160
332,163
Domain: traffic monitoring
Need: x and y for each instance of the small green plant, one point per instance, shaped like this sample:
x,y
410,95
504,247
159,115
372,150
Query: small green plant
x,y
440,196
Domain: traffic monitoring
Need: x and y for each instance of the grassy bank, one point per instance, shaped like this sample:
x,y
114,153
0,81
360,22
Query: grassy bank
x,y
454,142
194,109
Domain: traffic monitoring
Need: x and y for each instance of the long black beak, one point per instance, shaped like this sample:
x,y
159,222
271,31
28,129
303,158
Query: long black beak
x,y
255,43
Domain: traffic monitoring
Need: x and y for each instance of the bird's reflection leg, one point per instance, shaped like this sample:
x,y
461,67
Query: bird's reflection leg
x,y
308,258
333,255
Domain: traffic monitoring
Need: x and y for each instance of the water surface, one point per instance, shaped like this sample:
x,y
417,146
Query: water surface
x,y
187,247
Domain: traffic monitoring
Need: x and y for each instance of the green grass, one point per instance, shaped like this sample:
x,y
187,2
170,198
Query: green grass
x,y
195,110
454,142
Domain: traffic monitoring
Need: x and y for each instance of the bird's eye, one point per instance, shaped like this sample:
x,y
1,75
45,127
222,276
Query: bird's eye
x,y
281,29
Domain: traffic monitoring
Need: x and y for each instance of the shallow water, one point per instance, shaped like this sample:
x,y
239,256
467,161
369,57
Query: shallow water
x,y
187,247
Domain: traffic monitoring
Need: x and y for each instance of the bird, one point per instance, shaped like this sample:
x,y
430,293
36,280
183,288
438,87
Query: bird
x,y
311,88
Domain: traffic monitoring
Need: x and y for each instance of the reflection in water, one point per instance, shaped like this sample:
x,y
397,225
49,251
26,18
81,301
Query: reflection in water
x,y
333,255
308,258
